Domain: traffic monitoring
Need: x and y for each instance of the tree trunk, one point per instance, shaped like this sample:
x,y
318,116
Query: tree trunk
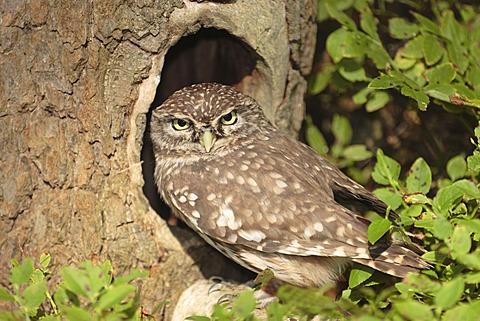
x,y
77,82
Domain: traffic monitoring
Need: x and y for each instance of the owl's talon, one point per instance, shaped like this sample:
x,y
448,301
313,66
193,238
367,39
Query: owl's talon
x,y
227,298
216,279
215,287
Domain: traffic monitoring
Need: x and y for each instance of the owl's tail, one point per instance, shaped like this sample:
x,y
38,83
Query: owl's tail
x,y
396,260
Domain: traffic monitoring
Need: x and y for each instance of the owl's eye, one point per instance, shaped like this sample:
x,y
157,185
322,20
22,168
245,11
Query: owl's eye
x,y
230,118
180,124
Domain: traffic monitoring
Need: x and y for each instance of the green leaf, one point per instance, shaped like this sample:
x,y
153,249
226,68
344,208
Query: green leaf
x,y
308,300
426,221
446,199
414,310
356,152
386,170
472,225
45,260
379,55
378,100
452,29
352,70
377,229
400,28
198,318
440,91
442,228
341,129
413,49
263,278
434,256
432,49
5,294
37,276
426,23
416,198
276,311
335,13
244,305
473,76
358,275
473,161
416,73
20,274
74,280
321,79
464,312
471,260
343,43
368,23
458,55
461,100
74,313
402,62
441,74
450,293
461,242
361,96
385,82
34,295
457,167
334,44
114,296
472,278
418,95
11,316
419,177
413,211
389,197
315,138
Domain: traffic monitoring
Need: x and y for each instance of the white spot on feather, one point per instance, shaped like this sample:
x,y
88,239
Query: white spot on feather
x,y
339,252
196,214
308,232
252,235
227,218
318,227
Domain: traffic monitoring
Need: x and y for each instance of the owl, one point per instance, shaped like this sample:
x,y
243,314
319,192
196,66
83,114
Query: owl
x,y
260,197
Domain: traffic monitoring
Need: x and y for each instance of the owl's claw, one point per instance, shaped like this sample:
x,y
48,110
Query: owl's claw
x,y
227,298
217,285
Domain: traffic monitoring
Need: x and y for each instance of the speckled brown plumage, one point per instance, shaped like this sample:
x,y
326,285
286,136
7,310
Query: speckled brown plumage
x,y
260,197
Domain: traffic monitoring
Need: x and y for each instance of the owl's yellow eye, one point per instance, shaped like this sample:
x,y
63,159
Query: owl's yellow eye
x,y
230,118
180,124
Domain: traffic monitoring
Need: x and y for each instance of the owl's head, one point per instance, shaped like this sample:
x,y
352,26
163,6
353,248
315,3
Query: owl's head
x,y
206,118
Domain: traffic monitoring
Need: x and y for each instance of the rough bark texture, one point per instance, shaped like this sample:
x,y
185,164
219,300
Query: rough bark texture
x,y
77,79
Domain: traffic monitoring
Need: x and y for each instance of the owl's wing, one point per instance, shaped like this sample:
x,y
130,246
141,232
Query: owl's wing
x,y
346,191
273,198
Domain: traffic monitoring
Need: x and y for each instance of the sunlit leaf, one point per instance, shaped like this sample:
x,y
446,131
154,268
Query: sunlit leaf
x,y
358,275
419,177
377,229
450,293
377,101
432,49
402,29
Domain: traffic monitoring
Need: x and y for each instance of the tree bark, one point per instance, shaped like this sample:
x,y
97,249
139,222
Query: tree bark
x,y
77,82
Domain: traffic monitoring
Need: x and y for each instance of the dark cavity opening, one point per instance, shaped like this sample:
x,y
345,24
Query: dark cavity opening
x,y
210,55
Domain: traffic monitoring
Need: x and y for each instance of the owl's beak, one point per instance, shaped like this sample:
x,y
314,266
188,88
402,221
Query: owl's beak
x,y
207,140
